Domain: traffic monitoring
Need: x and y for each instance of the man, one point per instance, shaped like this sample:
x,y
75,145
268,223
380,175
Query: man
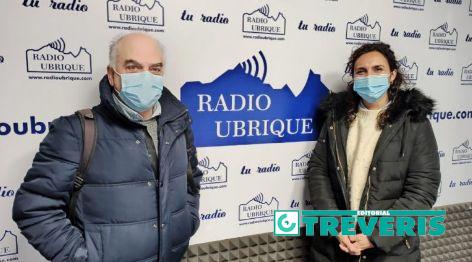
x,y
137,202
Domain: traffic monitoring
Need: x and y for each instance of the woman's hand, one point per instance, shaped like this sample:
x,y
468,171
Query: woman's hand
x,y
361,242
347,246
354,245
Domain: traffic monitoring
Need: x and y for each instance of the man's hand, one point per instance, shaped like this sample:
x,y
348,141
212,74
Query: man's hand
x,y
361,242
347,246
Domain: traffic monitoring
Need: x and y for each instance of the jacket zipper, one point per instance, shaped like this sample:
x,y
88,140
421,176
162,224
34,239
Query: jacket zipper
x,y
337,154
159,172
338,161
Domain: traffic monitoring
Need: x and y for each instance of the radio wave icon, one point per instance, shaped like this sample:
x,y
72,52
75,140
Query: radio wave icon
x,y
256,66
205,162
265,10
403,61
59,45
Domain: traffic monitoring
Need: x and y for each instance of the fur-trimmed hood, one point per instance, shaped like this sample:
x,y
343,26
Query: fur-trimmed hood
x,y
411,102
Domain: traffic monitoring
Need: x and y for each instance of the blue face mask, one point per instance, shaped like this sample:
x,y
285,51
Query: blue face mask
x,y
371,88
140,91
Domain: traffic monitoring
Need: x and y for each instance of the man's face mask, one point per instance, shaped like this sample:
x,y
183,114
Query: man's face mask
x,y
140,91
371,88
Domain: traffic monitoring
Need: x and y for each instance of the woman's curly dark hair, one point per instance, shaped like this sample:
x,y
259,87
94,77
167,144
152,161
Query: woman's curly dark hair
x,y
353,99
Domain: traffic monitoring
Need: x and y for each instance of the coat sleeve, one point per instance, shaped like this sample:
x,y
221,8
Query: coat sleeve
x,y
194,197
422,180
319,183
40,203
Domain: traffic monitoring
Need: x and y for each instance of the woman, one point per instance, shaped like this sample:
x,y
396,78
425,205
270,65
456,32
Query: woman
x,y
376,151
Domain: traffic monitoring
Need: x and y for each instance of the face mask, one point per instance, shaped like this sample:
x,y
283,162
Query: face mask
x,y
371,88
140,91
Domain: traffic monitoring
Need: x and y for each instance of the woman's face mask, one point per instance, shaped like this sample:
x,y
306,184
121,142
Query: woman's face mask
x,y
372,88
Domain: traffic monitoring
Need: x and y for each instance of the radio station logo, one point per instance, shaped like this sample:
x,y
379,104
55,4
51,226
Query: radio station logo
x,y
300,166
8,244
417,5
258,209
213,177
443,38
466,75
261,21
462,154
53,58
363,31
214,215
238,108
136,12
32,126
409,71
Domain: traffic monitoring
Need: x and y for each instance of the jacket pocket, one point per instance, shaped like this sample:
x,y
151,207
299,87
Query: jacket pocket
x,y
390,170
180,227
93,242
408,245
130,241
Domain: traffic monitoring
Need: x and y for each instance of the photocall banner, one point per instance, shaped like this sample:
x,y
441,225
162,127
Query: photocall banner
x,y
252,74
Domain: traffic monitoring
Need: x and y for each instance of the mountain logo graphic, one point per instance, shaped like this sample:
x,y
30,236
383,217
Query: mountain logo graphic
x,y
239,108
140,12
261,22
53,58
8,244
212,175
258,207
462,152
300,165
362,30
410,72
442,36
466,75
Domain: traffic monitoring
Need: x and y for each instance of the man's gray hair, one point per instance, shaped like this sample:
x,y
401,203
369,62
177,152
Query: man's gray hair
x,y
113,50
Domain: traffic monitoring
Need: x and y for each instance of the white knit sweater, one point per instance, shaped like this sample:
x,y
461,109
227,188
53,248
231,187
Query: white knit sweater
x,y
361,141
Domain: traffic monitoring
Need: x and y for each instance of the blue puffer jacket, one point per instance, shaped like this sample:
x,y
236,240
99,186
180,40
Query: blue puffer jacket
x,y
123,212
